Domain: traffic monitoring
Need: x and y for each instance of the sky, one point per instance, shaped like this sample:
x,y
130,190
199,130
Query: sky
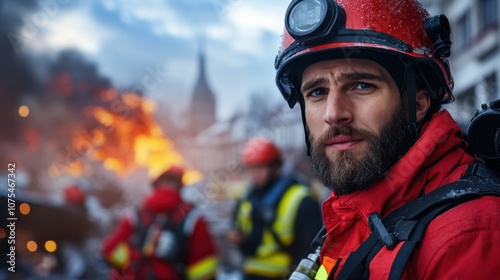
x,y
132,41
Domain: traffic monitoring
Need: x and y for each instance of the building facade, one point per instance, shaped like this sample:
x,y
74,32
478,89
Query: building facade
x,y
475,53
213,147
202,106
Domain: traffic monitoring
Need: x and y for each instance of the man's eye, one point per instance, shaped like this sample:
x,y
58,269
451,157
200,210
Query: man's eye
x,y
317,92
363,86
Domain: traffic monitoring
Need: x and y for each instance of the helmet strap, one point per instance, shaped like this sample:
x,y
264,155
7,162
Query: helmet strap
x,y
304,124
410,88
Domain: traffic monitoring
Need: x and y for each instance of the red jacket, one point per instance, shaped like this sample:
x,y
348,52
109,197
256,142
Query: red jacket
x,y
201,256
462,243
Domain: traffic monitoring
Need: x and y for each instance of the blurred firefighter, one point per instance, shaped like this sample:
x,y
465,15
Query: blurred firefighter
x,y
163,239
276,220
75,196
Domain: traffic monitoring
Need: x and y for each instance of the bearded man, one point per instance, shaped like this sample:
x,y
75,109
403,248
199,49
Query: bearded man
x,y
370,77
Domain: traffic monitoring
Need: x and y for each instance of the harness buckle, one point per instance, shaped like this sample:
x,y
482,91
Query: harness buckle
x,y
376,226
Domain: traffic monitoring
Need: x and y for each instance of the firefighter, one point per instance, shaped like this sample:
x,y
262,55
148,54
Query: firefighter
x,y
276,220
370,77
164,239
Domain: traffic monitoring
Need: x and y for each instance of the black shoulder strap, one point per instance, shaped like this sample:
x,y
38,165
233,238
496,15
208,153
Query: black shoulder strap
x,y
182,235
143,219
408,223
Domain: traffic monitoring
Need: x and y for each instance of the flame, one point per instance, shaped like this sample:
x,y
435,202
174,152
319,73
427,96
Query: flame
x,y
127,137
191,177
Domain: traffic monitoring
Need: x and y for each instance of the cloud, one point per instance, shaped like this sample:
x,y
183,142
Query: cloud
x,y
241,38
249,24
181,19
241,23
74,28
259,15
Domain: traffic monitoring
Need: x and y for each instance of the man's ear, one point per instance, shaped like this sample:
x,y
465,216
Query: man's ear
x,y
423,102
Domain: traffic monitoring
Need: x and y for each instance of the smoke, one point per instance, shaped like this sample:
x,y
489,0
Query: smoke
x,y
57,94
76,80
79,128
16,77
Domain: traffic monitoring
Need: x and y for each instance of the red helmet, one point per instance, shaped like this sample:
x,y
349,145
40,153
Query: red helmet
x,y
260,151
173,175
74,195
390,32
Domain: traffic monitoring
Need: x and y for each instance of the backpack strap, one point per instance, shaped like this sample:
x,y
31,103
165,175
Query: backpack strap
x,y
408,223
142,219
180,222
479,181
183,230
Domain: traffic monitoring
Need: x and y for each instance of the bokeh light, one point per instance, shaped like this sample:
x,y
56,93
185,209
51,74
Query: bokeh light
x,y
24,208
32,246
50,246
24,111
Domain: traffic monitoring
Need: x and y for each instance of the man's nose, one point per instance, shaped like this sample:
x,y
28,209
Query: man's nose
x,y
338,108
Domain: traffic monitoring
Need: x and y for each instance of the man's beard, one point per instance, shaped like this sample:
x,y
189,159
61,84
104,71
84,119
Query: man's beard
x,y
345,173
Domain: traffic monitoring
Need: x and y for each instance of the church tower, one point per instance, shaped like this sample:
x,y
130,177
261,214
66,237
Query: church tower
x,y
202,101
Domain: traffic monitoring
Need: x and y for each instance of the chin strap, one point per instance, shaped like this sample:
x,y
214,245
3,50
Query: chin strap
x,y
410,88
304,124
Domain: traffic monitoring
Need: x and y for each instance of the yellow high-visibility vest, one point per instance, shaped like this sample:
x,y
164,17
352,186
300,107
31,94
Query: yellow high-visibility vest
x,y
269,259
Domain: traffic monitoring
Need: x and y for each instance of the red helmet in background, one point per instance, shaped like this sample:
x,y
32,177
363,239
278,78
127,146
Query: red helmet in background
x,y
393,33
173,175
260,151
74,195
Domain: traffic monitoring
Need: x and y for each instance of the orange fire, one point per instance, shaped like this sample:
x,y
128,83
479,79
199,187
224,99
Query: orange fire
x,y
127,138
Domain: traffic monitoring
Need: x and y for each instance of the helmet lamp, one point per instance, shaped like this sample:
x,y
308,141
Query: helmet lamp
x,y
309,21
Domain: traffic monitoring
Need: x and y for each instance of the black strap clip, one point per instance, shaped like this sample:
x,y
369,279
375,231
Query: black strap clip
x,y
377,227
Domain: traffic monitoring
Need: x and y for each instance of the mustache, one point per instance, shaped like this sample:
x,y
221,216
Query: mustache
x,y
342,130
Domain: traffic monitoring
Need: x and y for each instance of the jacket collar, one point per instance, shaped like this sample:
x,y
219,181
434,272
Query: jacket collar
x,y
163,199
427,165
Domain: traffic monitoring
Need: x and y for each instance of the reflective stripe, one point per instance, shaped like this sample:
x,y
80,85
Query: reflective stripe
x,y
269,261
244,218
120,256
326,268
287,212
268,245
203,269
276,265
321,274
